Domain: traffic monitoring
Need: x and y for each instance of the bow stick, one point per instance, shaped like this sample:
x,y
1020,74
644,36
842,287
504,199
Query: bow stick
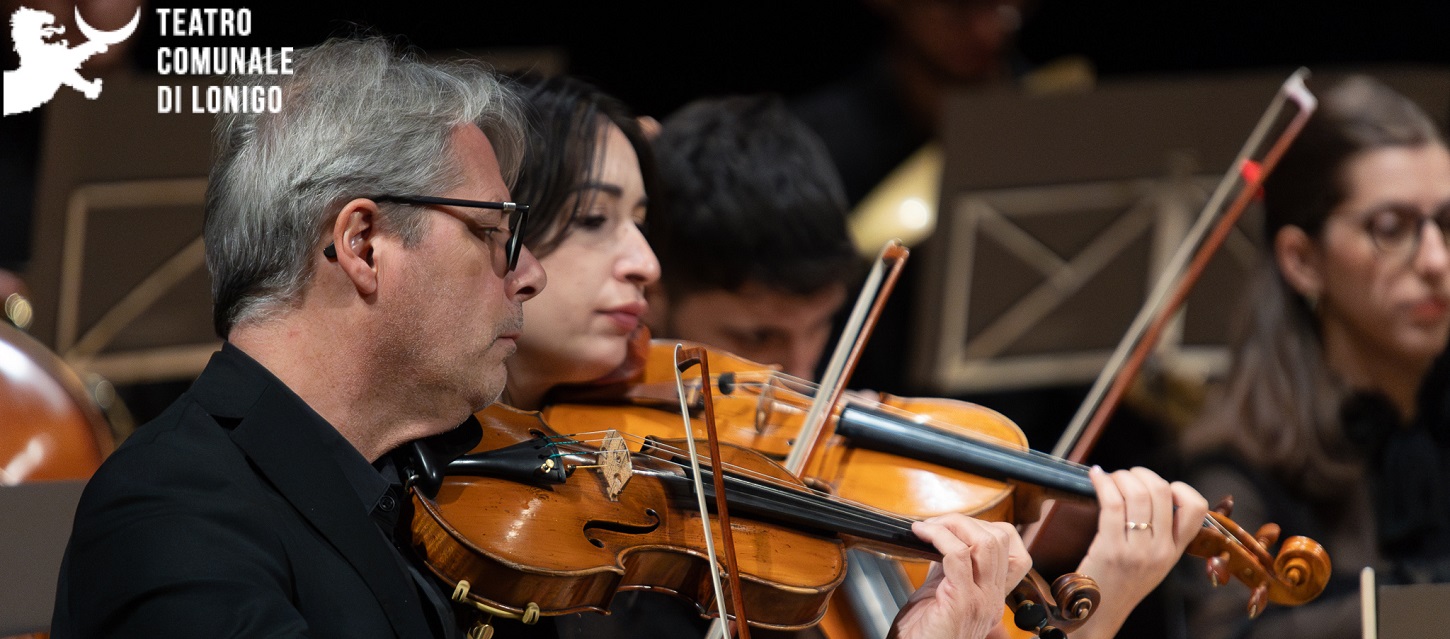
x,y
1202,243
862,321
685,358
1210,230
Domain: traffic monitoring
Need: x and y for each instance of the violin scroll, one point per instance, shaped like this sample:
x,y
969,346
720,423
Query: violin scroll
x,y
1295,576
1073,599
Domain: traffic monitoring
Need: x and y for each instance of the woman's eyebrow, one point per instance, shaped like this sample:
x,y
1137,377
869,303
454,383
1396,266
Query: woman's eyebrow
x,y
610,189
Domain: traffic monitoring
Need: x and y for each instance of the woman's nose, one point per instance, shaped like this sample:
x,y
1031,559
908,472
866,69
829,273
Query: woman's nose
x,y
638,263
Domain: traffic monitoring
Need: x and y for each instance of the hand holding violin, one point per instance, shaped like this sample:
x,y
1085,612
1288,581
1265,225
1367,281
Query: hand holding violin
x,y
1144,526
962,598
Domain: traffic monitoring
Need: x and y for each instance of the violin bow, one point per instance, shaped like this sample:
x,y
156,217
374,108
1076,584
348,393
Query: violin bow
x,y
685,358
872,299
1203,241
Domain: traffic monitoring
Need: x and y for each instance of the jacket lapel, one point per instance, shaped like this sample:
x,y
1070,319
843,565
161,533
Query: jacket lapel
x,y
292,458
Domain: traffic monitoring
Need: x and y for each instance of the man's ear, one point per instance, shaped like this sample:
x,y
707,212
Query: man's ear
x,y
1299,259
353,235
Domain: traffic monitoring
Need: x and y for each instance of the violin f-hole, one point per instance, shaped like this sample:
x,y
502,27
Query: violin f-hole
x,y
621,527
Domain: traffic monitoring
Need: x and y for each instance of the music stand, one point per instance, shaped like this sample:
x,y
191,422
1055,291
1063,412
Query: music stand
x,y
1407,611
1058,213
118,273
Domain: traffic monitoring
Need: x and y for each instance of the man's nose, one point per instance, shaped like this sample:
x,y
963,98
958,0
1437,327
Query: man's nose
x,y
527,278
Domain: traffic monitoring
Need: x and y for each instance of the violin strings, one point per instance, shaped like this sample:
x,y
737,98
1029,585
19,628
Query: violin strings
x,y
862,514
731,468
836,504
1208,521
1031,455
761,379
831,503
601,436
655,444
754,381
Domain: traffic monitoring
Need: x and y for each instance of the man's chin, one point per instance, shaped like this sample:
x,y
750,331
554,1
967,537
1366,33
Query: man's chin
x,y
490,392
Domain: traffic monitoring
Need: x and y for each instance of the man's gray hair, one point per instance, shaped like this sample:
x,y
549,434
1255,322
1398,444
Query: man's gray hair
x,y
357,119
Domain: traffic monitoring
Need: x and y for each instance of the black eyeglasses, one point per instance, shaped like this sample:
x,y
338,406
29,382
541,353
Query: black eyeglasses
x,y
518,214
1396,231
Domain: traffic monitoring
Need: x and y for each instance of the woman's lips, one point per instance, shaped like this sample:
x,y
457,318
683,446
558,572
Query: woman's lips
x,y
1430,311
626,322
626,316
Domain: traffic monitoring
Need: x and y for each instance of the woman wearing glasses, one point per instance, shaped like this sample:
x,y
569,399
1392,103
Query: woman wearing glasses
x,y
1334,420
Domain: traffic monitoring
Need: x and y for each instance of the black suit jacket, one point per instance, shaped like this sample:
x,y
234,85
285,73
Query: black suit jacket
x,y
228,517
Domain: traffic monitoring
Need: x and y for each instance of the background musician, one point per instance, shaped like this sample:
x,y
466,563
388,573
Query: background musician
x,y
755,252
1335,419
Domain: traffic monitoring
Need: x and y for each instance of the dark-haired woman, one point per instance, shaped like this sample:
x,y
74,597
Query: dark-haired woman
x,y
1335,418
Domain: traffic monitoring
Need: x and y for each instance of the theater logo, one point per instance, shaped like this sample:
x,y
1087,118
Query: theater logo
x,y
46,65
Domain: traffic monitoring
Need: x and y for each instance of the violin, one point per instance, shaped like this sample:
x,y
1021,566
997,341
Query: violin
x,y
1298,574
614,518
926,457
759,408
628,523
1002,462
521,490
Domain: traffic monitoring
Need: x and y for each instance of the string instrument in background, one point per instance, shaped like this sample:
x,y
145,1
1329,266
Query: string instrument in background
x,y
50,427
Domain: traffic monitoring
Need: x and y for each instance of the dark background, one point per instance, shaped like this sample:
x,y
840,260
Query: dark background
x,y
658,55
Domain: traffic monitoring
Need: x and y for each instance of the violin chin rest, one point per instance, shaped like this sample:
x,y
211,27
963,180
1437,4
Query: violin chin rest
x,y
527,462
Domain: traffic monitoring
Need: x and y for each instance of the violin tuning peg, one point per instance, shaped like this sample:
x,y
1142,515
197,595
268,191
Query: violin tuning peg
x,y
1258,600
1267,535
1217,570
1225,506
1029,616
1052,633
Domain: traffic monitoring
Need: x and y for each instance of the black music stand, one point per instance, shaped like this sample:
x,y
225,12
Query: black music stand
x,y
1058,212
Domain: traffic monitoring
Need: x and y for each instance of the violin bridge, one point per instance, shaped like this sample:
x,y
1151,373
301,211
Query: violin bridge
x,y
614,464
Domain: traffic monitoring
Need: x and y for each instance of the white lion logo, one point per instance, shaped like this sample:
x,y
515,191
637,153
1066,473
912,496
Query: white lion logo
x,y
44,66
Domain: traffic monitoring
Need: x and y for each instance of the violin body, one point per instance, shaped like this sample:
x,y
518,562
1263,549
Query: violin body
x,y
925,459
758,409
566,547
